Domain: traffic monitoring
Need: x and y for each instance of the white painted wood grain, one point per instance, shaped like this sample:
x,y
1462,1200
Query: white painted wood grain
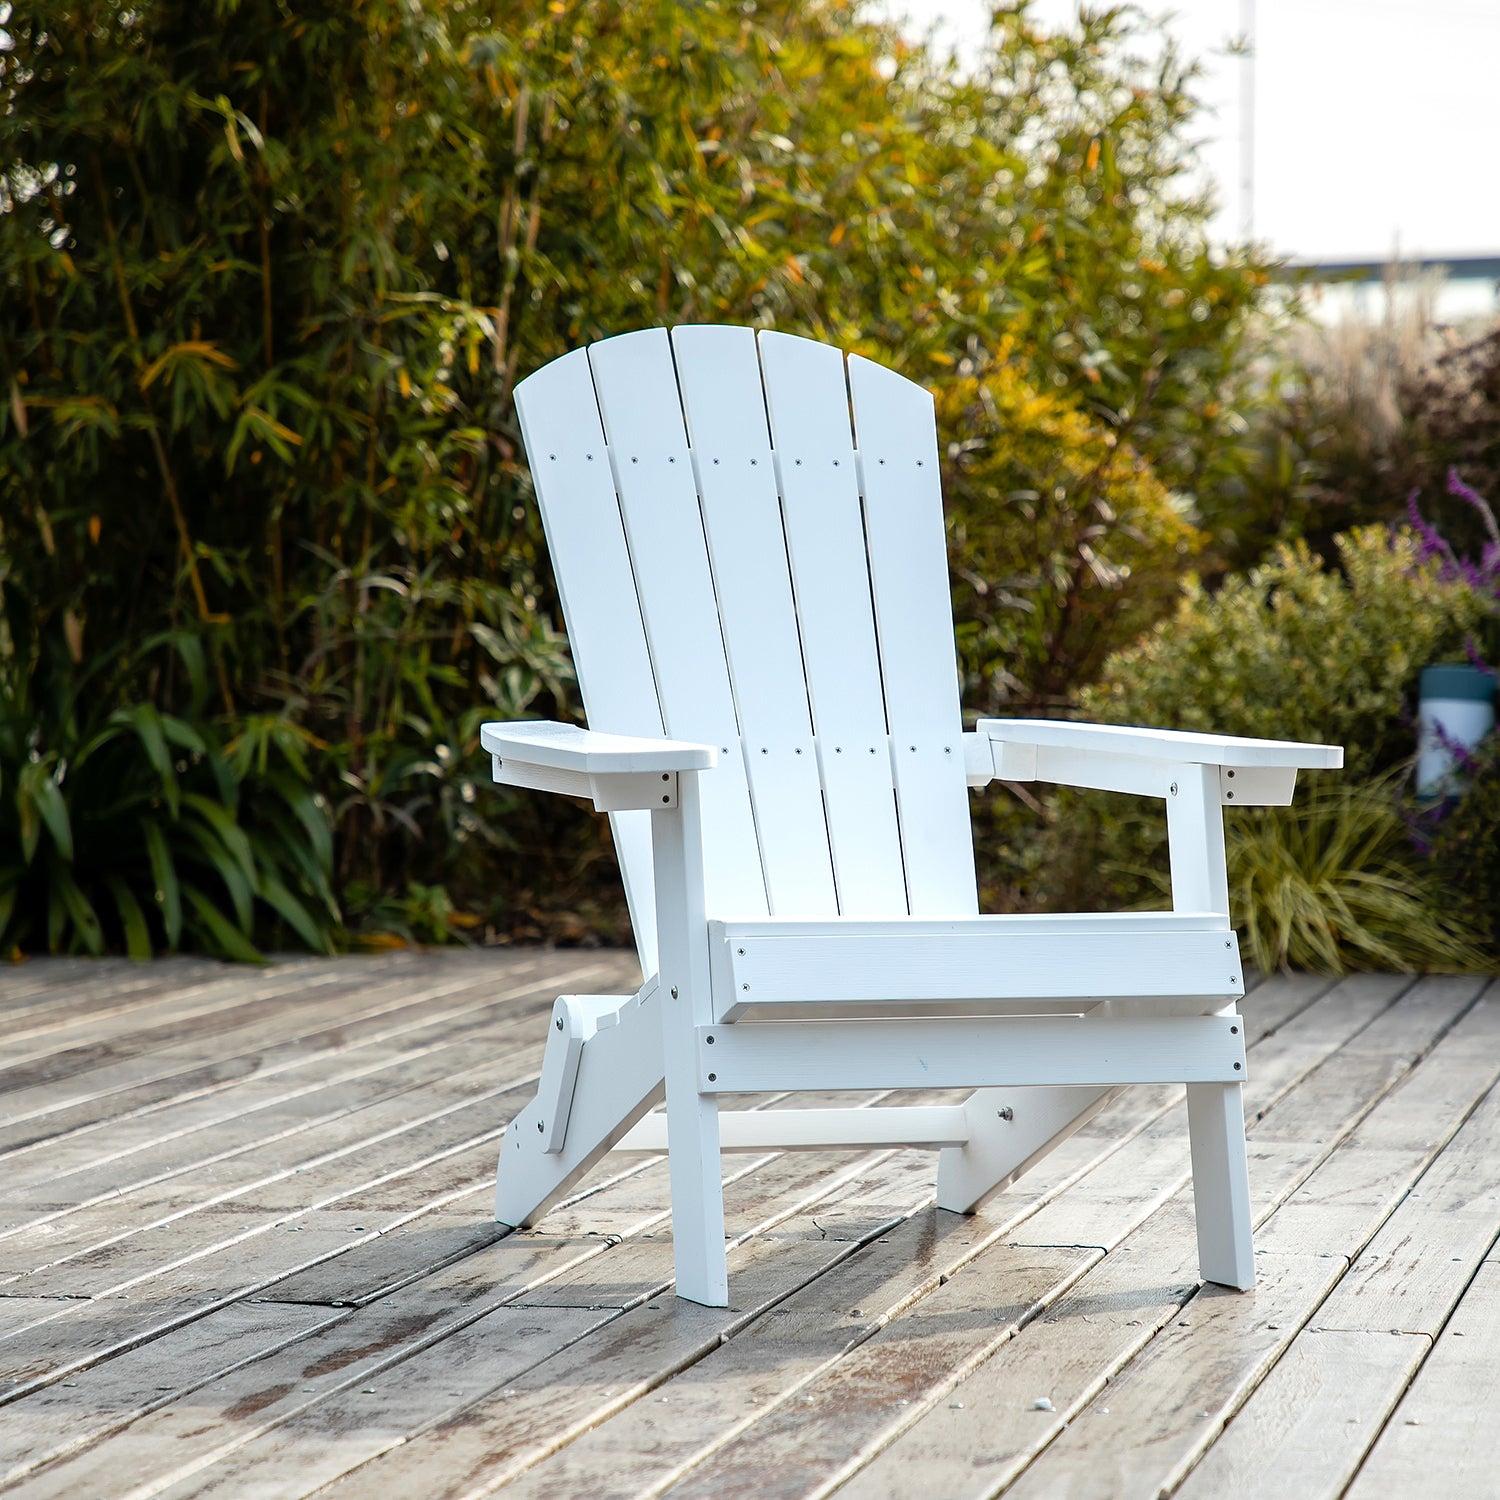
x,y
575,489
988,961
1164,744
808,402
719,376
642,413
970,1052
908,557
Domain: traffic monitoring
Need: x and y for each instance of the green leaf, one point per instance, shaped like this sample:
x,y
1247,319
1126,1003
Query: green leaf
x,y
39,802
294,914
132,919
9,893
224,938
241,889
312,813
146,722
230,833
164,872
67,894
183,735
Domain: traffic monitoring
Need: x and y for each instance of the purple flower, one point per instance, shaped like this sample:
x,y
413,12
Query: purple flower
x,y
1457,487
1476,657
1461,755
1481,575
1430,542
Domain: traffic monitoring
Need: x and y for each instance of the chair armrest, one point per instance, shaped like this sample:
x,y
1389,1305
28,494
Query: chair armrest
x,y
1116,757
1164,744
616,772
568,747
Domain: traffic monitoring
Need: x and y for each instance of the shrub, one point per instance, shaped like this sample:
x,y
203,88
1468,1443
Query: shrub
x,y
1454,405
1298,650
1332,449
1294,649
124,827
1334,883
1100,556
271,276
1465,845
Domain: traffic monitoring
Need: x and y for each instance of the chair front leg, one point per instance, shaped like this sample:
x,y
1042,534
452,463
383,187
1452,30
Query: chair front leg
x,y
1216,1112
687,1002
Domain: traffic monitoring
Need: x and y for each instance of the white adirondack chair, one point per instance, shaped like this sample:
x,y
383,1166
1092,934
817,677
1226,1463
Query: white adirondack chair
x,y
756,594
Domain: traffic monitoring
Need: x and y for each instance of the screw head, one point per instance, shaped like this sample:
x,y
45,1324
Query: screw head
x,y
1172,790
1005,1114
674,991
713,1077
559,1023
709,1040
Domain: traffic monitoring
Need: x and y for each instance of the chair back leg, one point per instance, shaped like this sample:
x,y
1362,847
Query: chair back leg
x,y
1010,1130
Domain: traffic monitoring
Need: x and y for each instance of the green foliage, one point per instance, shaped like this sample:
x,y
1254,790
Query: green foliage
x,y
1298,650
1466,846
1295,649
127,828
1334,883
1453,407
1358,414
1102,556
270,275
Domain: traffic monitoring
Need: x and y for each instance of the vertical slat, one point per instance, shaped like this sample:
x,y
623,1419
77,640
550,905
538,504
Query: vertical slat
x,y
719,377
586,541
638,399
808,402
897,436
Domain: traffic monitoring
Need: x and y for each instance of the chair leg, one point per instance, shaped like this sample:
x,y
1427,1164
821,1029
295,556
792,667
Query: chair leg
x,y
686,1001
618,1081
697,1185
1221,1184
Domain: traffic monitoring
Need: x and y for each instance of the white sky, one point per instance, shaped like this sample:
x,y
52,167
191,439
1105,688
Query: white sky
x,y
1377,122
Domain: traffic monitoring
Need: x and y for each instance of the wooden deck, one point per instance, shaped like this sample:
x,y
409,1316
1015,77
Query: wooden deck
x,y
246,1249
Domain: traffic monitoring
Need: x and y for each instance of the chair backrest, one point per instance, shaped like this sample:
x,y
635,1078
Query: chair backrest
x,y
740,565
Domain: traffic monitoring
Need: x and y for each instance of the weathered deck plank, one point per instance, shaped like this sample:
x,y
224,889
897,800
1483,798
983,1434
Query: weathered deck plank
x,y
244,1226
1442,1438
